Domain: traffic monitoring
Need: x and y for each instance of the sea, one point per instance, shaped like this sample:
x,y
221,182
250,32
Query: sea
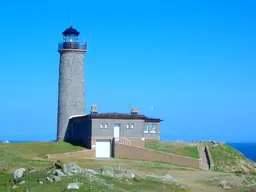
x,y
248,149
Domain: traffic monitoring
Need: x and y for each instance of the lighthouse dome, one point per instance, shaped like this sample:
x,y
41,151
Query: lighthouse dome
x,y
70,31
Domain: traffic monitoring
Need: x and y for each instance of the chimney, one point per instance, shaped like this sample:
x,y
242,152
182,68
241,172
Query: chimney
x,y
134,111
94,109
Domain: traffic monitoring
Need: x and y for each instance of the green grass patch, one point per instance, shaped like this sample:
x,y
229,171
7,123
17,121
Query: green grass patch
x,y
30,155
228,159
39,149
175,148
31,184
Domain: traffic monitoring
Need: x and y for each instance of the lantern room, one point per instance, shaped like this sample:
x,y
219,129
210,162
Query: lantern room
x,y
70,35
71,41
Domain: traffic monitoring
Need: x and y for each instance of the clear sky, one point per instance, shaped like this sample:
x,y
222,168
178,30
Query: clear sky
x,y
194,61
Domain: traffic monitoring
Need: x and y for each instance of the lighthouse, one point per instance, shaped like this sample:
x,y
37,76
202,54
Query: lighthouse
x,y
71,93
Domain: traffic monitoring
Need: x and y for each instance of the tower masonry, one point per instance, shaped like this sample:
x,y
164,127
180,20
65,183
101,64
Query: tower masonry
x,y
71,93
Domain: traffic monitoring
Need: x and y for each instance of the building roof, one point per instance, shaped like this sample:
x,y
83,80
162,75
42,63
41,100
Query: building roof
x,y
118,116
70,31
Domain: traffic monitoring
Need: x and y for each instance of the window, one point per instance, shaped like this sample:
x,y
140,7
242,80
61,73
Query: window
x,y
146,126
103,125
149,128
130,126
152,128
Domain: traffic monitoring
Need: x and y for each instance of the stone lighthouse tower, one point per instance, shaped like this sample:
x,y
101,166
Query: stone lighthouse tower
x,y
71,94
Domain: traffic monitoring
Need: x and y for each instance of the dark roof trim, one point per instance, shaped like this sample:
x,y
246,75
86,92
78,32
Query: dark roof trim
x,y
153,120
118,116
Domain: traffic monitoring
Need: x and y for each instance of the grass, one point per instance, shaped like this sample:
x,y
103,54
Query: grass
x,y
228,159
175,148
39,149
30,155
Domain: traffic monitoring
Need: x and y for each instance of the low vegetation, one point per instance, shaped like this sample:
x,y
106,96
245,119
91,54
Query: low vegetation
x,y
175,148
152,176
228,159
31,155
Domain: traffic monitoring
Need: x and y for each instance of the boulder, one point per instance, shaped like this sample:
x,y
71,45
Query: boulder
x,y
22,182
73,186
107,170
90,171
56,178
71,168
18,173
40,182
49,179
15,187
225,184
59,173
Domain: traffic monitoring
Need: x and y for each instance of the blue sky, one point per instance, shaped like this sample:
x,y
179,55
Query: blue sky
x,y
193,60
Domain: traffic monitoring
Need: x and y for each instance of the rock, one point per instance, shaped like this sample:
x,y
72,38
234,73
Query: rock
x,y
15,187
73,186
90,171
56,178
254,165
225,184
59,173
132,175
18,173
70,174
182,187
163,178
40,182
49,179
22,182
17,180
48,172
107,170
71,168
6,141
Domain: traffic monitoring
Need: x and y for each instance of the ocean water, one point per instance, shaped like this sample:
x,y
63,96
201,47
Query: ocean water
x,y
248,149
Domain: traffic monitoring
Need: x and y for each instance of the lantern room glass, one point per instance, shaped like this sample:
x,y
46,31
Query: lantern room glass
x,y
70,38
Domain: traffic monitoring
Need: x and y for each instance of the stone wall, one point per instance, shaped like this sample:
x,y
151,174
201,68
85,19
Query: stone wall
x,y
84,153
209,157
139,153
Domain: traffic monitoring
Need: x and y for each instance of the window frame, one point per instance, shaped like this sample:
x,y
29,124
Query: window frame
x,y
148,128
103,125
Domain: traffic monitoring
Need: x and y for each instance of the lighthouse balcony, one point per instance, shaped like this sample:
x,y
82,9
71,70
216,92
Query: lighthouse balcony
x,y
72,45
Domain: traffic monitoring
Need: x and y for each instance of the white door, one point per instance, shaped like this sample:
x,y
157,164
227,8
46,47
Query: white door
x,y
117,131
103,148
